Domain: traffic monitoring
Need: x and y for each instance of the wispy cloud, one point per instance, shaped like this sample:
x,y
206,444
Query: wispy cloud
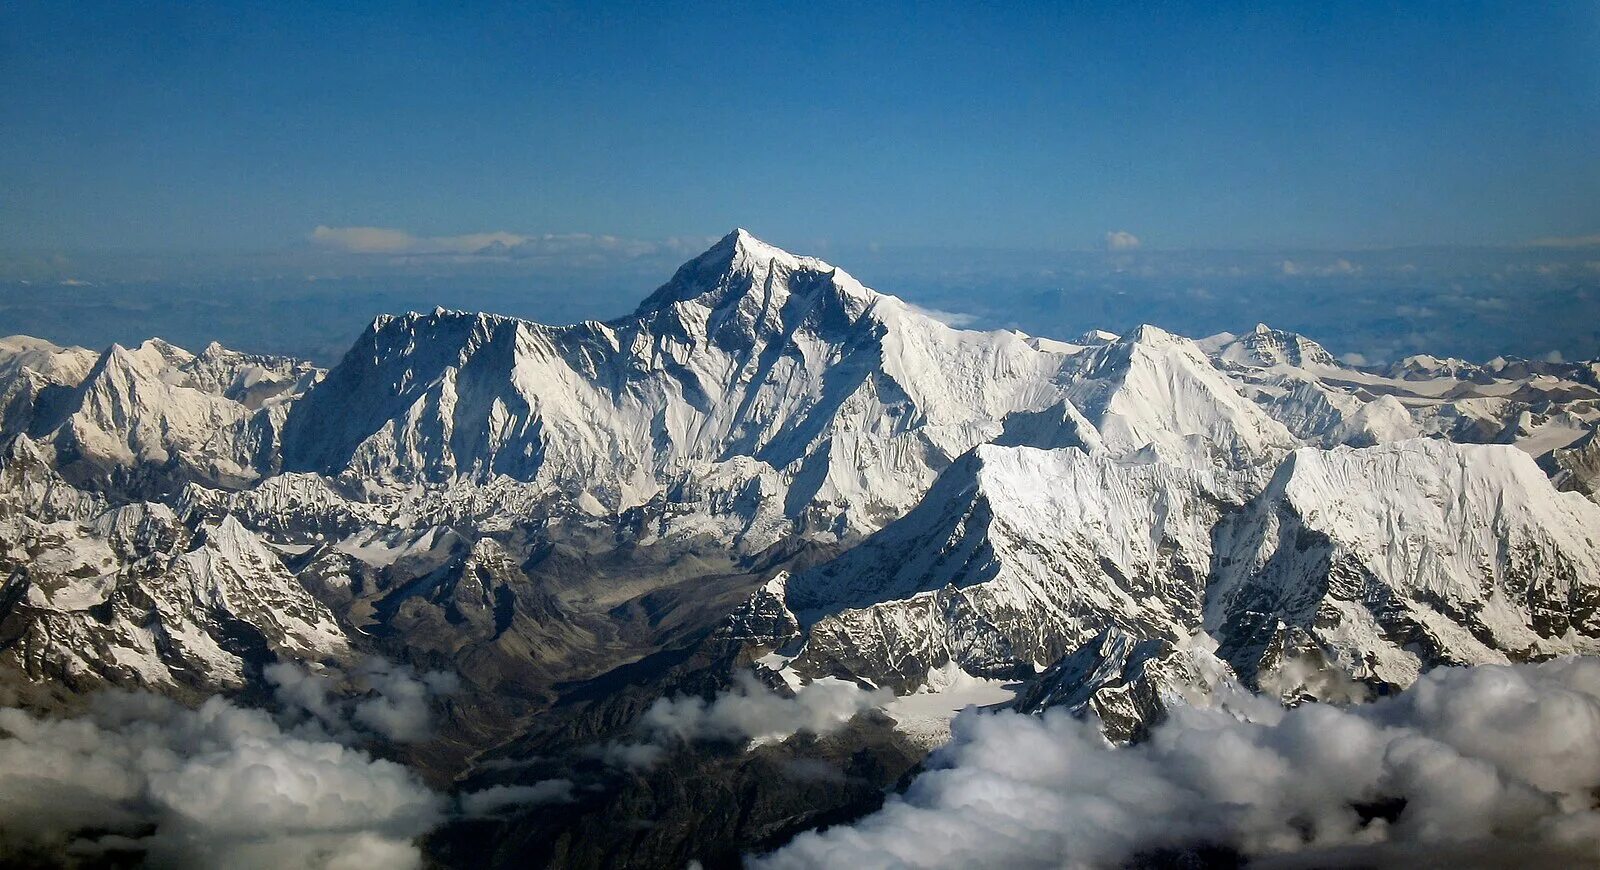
x,y
495,243
954,319
1338,266
748,712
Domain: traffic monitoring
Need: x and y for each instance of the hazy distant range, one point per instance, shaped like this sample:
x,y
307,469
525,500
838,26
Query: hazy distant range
x,y
1371,306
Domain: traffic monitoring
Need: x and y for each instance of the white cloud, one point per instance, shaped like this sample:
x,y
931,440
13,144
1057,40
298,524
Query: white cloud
x,y
953,319
390,701
497,244
399,704
497,798
386,240
754,712
1555,356
1353,359
364,240
1338,266
1483,766
1121,240
748,712
215,786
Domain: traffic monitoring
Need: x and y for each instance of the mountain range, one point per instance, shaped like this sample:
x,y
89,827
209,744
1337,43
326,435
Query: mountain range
x,y
771,480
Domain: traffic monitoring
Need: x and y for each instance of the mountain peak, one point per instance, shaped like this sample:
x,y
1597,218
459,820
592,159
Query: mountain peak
x,y
740,264
1150,334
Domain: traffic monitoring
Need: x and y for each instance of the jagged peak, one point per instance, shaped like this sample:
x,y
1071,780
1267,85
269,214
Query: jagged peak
x,y
1266,346
169,353
473,321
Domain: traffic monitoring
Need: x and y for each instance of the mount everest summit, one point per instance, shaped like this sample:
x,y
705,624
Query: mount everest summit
x,y
771,471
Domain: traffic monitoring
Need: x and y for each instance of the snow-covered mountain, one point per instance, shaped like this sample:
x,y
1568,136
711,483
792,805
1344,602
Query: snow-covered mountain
x,y
1409,555
130,595
769,465
1016,557
849,399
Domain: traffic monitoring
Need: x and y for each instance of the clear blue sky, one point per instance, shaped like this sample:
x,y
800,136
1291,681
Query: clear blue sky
x,y
244,126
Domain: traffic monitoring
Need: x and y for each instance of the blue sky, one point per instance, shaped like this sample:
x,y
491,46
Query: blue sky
x,y
228,127
1389,178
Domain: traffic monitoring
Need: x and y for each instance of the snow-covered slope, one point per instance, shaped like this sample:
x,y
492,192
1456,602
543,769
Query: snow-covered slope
x,y
1539,406
1404,556
150,418
1016,556
131,596
1152,387
1366,564
62,365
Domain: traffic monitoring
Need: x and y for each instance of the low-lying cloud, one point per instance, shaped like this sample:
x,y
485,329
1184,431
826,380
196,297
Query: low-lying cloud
x,y
377,697
217,786
752,711
748,712
1489,766
223,785
502,798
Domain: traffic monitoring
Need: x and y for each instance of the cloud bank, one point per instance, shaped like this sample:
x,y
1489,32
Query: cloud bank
x,y
217,786
1488,766
223,785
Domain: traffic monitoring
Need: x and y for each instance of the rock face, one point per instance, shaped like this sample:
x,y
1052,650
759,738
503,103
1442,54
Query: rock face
x,y
768,464
1379,562
1125,683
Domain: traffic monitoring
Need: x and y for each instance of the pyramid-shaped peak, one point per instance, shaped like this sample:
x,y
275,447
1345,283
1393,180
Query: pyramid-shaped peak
x,y
743,245
740,263
1149,334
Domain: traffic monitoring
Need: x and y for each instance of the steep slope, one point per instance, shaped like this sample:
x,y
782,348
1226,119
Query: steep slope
x,y
1576,467
1154,388
1016,556
36,379
129,596
1404,556
1300,384
1128,684
148,420
251,380
62,365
